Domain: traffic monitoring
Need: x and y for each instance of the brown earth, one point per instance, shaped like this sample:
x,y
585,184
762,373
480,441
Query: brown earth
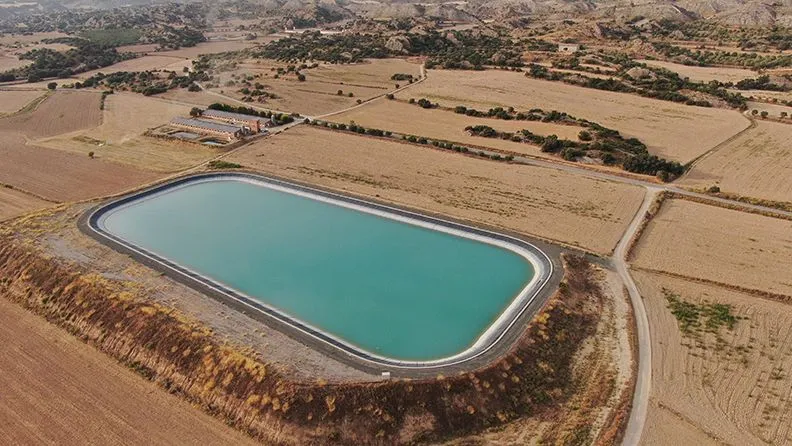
x,y
722,245
14,203
704,74
583,212
404,118
63,176
63,112
12,101
727,387
756,164
671,130
58,390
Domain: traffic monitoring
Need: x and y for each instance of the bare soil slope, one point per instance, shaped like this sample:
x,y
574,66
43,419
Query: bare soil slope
x,y
57,390
12,101
729,388
555,205
674,131
723,245
63,112
757,164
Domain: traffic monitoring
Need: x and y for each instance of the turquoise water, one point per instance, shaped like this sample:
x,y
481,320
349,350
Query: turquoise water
x,y
388,287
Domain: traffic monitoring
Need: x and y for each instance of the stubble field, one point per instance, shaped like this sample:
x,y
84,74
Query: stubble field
x,y
722,245
58,390
674,131
551,204
120,136
13,101
14,203
704,74
727,387
63,112
757,164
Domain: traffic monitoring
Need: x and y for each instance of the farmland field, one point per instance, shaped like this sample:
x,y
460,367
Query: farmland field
x,y
544,202
12,101
756,164
723,245
729,388
704,74
63,176
120,136
671,130
145,63
14,203
446,125
773,110
59,390
63,112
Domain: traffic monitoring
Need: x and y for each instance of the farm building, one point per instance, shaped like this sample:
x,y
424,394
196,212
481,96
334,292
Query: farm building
x,y
229,132
250,121
568,47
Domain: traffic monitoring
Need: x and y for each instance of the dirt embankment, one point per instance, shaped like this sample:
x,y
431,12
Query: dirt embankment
x,y
187,359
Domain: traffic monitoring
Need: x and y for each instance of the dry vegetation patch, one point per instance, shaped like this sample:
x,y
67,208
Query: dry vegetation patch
x,y
704,74
401,117
670,130
145,63
757,164
120,138
726,246
58,390
717,385
13,101
544,202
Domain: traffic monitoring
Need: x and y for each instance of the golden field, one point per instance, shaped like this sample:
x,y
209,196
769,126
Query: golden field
x,y
756,164
547,203
717,244
728,387
670,130
62,112
703,74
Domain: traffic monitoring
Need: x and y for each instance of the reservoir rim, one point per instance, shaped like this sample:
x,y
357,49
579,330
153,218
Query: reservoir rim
x,y
92,224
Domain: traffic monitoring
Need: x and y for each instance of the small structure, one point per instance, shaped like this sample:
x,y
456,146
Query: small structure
x,y
228,132
250,121
568,48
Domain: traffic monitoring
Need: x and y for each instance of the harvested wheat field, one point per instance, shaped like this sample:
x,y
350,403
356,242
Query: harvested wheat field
x,y
674,131
773,110
765,94
551,204
722,245
14,203
212,47
703,74
145,63
14,100
11,62
127,116
57,390
712,384
63,176
27,39
756,164
63,112
181,96
404,118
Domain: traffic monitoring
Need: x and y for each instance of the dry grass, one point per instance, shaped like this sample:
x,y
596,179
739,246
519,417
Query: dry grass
x,y
11,61
220,46
756,164
765,94
14,203
63,112
773,110
58,390
410,119
27,39
704,74
63,176
671,130
12,101
726,388
120,137
318,94
722,245
551,204
145,63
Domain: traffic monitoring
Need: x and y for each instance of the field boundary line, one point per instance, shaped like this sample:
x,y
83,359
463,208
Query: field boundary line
x,y
769,295
734,205
692,163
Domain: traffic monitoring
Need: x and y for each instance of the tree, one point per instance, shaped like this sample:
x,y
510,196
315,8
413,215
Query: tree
x,y
754,112
91,155
340,92
784,115
52,85
764,114
301,77
195,112
584,135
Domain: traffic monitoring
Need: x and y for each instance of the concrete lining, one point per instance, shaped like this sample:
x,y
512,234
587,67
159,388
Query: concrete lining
x,y
484,347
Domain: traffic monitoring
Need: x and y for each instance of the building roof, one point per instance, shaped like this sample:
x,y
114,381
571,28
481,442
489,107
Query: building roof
x,y
228,115
206,125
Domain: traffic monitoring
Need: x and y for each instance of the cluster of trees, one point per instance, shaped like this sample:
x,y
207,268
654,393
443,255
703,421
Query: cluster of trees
x,y
707,58
147,83
760,83
402,77
338,48
277,118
